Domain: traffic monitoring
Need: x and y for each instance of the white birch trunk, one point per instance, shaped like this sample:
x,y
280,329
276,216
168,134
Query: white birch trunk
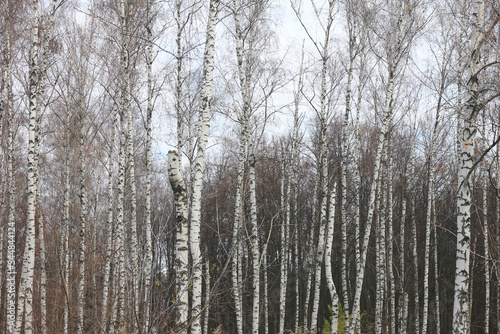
x,y
82,234
118,307
486,257
266,303
254,241
414,255
238,212
357,178
381,256
343,204
43,272
328,263
285,221
295,180
25,294
461,311
110,249
182,237
402,270
125,7
311,256
148,245
319,259
371,206
206,309
322,168
497,267
390,274
199,168
243,119
387,115
427,245
436,268
115,292
66,228
178,87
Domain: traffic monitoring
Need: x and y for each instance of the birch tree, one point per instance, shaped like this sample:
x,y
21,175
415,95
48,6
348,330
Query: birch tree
x,y
181,213
146,301
328,261
177,182
37,70
8,111
203,132
251,37
472,105
397,49
322,112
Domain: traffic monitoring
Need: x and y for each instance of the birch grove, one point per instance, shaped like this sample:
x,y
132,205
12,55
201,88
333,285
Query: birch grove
x,y
249,166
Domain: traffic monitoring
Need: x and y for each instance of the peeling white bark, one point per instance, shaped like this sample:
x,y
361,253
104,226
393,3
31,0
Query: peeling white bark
x,y
148,249
25,294
110,250
82,233
254,241
328,262
199,168
182,254
461,311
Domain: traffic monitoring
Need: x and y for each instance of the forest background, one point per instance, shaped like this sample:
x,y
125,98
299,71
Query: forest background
x,y
249,166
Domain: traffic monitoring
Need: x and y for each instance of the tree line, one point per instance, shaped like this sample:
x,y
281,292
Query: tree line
x,y
249,166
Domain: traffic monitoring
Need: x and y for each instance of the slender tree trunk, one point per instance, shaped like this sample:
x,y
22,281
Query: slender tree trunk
x,y
343,204
403,304
371,206
206,311
254,240
266,303
381,256
42,254
461,311
110,249
238,213
118,307
322,168
285,223
486,256
436,268
387,116
25,294
146,301
115,292
125,7
427,245
328,263
41,233
295,171
82,233
319,260
66,230
430,217
199,168
243,120
182,255
497,267
311,257
392,289
416,292
178,87
357,178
